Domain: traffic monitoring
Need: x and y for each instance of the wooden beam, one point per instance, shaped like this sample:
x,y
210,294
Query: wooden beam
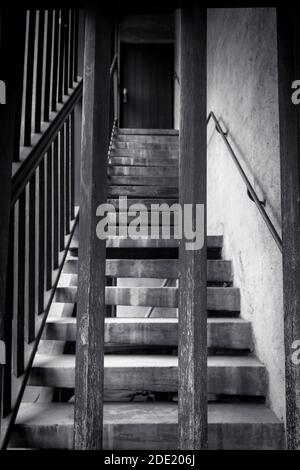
x,y
192,404
289,115
91,295
11,45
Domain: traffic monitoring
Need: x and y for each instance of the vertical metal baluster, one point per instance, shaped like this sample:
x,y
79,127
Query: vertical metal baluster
x,y
9,318
48,65
66,51
72,164
49,222
67,174
29,78
61,57
18,321
55,205
39,72
71,67
54,96
32,298
41,267
76,27
62,188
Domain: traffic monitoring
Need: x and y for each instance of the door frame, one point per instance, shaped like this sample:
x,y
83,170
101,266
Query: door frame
x,y
120,41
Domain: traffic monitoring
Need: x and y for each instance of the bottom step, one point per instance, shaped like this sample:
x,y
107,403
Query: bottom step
x,y
147,426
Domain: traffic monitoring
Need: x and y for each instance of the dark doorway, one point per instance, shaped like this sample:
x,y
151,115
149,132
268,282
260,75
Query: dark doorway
x,y
146,93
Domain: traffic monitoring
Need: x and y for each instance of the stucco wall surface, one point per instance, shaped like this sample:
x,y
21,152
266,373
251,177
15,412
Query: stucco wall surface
x,y
242,91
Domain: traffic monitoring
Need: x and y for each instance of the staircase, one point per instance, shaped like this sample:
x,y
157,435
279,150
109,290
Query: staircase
x,y
141,364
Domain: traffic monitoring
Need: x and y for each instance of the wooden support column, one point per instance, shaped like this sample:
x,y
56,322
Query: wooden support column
x,y
192,412
289,115
91,283
12,42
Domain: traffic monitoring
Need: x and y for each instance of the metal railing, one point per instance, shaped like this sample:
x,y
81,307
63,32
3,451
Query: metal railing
x,y
42,210
250,190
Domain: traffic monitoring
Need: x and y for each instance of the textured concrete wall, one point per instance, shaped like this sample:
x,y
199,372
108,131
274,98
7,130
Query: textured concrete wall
x,y
242,91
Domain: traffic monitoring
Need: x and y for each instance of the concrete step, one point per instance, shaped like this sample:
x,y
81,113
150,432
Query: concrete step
x,y
132,160
213,242
143,191
227,375
148,138
132,131
150,425
146,144
218,298
222,333
166,182
217,270
147,202
153,171
164,154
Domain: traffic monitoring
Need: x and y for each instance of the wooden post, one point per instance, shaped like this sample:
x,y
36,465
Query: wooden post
x,y
12,42
289,114
192,412
92,251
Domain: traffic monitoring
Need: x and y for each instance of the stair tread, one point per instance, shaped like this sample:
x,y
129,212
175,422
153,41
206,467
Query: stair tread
x,y
217,270
149,321
149,425
48,414
218,298
233,334
213,241
137,361
130,131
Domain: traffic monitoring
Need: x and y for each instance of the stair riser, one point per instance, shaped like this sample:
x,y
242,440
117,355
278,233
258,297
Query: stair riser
x,y
155,436
213,242
160,171
146,145
217,270
145,132
219,336
144,181
143,191
146,153
249,381
155,139
144,162
223,299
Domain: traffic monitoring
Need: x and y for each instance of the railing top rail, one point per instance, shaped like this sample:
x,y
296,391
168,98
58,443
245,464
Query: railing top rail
x,y
113,65
250,188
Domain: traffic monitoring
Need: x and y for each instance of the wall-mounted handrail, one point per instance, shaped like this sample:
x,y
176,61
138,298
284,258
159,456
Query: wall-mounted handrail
x,y
250,188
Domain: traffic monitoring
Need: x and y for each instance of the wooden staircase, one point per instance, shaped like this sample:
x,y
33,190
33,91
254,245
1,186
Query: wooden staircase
x,y
141,365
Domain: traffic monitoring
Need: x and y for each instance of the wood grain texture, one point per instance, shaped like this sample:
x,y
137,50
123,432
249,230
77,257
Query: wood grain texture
x,y
289,70
150,425
192,405
91,298
218,298
217,270
227,375
222,333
